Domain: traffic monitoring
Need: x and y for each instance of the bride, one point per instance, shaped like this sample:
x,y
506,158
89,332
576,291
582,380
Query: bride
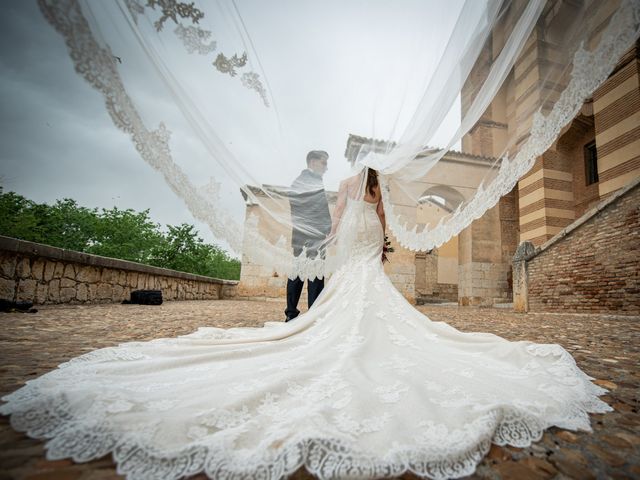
x,y
361,386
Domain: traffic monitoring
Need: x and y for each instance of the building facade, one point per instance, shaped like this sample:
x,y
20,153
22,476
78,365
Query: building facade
x,y
596,155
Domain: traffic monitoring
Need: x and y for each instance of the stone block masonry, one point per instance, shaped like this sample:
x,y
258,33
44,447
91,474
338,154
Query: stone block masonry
x,y
48,275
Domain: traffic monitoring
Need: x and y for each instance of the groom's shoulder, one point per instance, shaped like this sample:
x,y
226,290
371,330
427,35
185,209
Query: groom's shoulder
x,y
305,180
300,176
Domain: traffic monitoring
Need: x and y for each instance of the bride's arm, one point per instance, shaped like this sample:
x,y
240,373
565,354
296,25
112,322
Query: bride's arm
x,y
341,202
380,212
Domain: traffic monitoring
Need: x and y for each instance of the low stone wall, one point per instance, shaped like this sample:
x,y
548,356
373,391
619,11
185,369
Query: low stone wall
x,y
593,265
45,275
447,291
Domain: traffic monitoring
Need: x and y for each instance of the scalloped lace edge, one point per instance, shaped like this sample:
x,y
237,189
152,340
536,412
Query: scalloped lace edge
x,y
590,70
325,457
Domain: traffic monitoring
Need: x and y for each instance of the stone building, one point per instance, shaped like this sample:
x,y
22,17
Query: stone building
x,y
596,157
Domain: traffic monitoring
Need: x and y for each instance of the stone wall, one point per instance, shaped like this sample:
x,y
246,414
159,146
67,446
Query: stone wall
x,y
49,275
594,264
447,292
401,269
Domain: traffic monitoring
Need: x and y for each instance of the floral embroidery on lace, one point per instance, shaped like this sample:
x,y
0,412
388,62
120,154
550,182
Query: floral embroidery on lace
x,y
322,387
314,339
223,418
293,364
209,367
348,424
398,364
350,342
251,80
228,65
391,393
172,9
160,405
247,386
118,405
463,372
195,39
195,432
135,9
398,339
342,402
270,407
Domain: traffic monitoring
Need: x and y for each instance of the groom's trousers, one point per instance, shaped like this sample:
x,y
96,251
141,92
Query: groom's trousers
x,y
294,290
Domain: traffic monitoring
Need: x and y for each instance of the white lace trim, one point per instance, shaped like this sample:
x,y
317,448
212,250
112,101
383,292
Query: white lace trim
x,y
590,70
96,65
92,436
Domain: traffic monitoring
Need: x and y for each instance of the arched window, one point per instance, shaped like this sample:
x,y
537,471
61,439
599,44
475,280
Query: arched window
x,y
441,196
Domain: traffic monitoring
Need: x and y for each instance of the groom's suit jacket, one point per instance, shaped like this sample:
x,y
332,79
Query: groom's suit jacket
x,y
309,211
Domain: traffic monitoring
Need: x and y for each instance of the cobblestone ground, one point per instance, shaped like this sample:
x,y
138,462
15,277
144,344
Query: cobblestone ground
x,y
605,347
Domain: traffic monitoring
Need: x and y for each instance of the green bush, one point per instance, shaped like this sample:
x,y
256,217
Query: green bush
x,y
115,233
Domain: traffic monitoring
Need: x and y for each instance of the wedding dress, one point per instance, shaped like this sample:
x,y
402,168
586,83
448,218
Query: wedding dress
x,y
363,385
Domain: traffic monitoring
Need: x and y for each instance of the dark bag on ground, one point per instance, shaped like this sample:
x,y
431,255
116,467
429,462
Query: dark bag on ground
x,y
145,297
9,306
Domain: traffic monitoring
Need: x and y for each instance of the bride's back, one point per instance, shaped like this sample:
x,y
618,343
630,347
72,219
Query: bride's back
x,y
361,232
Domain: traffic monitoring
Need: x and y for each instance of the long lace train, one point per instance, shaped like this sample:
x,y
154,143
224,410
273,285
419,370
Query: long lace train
x,y
361,386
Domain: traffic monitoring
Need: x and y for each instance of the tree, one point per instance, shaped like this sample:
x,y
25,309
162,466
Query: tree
x,y
68,225
183,250
125,234
17,217
115,233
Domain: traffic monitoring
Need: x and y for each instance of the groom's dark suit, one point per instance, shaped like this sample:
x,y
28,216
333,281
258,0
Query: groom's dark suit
x,y
311,224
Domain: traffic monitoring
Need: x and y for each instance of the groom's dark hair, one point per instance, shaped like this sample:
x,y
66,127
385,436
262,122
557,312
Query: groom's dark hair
x,y
316,155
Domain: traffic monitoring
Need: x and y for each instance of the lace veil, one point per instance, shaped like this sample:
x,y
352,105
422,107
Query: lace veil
x,y
225,99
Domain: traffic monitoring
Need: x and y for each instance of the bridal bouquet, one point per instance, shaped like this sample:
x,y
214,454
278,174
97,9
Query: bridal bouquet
x,y
386,248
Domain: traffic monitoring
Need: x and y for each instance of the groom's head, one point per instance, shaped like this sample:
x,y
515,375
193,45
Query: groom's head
x,y
317,161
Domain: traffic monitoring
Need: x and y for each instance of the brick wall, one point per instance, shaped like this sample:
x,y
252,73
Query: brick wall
x,y
594,266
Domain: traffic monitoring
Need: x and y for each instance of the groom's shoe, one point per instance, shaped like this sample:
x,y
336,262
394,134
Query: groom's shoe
x,y
289,318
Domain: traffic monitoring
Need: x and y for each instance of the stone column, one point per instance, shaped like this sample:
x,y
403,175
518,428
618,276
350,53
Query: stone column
x,y
482,273
486,246
421,274
520,277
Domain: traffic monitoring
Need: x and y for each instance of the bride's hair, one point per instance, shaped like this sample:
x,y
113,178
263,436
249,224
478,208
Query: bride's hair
x,y
372,181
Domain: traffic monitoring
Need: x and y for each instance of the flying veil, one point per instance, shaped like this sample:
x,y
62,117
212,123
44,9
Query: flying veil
x,y
225,99
277,124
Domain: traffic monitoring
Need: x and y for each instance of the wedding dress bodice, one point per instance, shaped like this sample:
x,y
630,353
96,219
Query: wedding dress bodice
x,y
366,237
363,385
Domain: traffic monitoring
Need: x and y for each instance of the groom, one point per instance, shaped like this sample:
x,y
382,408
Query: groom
x,y
311,224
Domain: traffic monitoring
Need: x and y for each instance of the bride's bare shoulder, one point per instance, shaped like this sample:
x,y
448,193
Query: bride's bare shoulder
x,y
349,182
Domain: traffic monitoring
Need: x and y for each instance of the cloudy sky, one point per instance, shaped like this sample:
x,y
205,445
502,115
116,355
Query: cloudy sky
x,y
333,67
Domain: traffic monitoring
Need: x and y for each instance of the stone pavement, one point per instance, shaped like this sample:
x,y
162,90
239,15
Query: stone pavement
x,y
605,347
